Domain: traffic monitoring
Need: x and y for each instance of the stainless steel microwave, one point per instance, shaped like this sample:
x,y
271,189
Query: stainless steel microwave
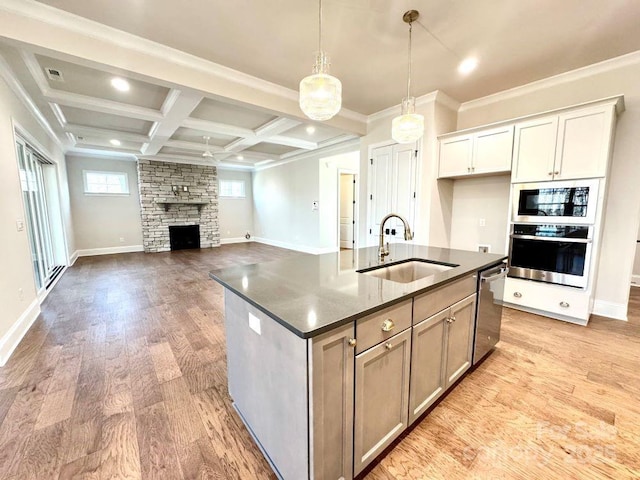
x,y
567,202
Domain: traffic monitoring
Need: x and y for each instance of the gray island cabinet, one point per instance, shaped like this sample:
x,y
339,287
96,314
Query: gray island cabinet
x,y
327,367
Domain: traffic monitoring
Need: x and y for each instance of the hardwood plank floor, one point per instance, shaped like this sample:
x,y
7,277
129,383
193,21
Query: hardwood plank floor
x,y
124,376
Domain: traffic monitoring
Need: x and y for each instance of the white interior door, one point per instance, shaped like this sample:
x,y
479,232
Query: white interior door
x,y
403,188
347,218
380,173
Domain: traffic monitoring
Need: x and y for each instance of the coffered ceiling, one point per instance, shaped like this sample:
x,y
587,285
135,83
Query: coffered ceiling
x,y
153,119
232,70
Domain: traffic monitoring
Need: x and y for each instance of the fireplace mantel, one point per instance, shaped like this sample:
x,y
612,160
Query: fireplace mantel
x,y
167,203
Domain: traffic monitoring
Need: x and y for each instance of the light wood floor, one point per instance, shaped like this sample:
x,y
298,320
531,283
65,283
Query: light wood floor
x,y
124,376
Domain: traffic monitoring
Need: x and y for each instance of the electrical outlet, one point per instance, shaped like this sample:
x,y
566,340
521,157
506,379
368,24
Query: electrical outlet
x,y
484,248
314,205
20,225
482,222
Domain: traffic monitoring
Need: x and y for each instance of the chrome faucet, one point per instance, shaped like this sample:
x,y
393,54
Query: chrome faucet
x,y
383,250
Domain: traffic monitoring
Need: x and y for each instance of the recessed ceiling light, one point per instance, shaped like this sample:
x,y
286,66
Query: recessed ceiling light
x,y
311,129
120,84
115,142
239,157
468,65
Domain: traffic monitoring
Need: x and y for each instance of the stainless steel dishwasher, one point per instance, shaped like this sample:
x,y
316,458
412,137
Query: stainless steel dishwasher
x,y
489,310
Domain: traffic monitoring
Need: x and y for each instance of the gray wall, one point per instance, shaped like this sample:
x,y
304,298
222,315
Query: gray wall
x,y
101,221
236,214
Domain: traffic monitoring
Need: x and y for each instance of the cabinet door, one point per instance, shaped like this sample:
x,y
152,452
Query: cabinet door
x,y
427,364
584,138
460,338
380,169
381,397
403,187
331,404
455,156
492,150
534,150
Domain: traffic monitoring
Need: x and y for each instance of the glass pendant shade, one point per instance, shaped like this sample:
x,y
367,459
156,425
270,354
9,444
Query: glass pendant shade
x,y
320,93
409,126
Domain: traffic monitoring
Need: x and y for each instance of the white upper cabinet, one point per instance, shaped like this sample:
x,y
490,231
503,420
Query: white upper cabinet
x,y
571,145
584,138
534,150
479,153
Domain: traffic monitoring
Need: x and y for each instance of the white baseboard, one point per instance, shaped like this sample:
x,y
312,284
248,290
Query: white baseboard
x,y
73,258
635,280
617,311
293,246
225,241
109,250
11,339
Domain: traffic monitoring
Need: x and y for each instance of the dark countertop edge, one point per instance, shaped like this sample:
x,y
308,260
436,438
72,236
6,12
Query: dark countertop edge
x,y
338,323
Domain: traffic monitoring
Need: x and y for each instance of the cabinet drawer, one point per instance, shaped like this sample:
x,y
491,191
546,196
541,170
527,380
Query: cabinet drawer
x,y
432,302
369,330
554,299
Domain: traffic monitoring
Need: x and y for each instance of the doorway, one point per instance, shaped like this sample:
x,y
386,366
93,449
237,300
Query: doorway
x,y
347,210
39,184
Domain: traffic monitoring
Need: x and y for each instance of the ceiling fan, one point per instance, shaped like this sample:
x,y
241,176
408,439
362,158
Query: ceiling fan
x,y
208,154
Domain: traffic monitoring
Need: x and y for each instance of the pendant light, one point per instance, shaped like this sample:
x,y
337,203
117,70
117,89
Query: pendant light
x,y
409,126
320,93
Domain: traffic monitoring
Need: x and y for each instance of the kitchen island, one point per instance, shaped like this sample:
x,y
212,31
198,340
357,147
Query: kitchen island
x,y
331,357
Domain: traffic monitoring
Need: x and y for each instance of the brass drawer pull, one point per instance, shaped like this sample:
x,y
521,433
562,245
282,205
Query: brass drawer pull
x,y
564,304
388,325
388,346
517,294
352,342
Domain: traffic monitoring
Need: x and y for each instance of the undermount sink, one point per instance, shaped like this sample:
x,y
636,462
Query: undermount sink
x,y
408,271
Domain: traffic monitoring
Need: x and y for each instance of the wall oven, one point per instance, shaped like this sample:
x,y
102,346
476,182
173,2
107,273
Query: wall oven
x,y
551,253
570,202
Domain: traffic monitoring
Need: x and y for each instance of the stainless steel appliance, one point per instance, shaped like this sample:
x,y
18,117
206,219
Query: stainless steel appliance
x,y
551,253
570,202
489,310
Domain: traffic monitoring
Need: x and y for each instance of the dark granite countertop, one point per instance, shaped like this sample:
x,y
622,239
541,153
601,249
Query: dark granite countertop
x,y
312,294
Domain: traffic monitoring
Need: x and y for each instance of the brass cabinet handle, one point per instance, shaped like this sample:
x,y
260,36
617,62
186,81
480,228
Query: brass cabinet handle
x,y
388,346
517,294
388,325
453,319
556,173
352,342
448,320
550,173
564,304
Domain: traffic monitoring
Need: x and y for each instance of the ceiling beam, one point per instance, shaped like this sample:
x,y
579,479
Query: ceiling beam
x,y
262,134
177,106
84,130
217,128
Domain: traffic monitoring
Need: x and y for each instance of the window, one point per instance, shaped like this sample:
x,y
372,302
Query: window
x,y
232,188
105,183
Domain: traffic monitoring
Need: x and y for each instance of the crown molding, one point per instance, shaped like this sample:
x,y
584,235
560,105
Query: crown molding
x,y
326,151
17,88
33,10
431,97
608,65
93,153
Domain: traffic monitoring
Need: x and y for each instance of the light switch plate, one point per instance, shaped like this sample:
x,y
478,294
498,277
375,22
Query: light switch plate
x,y
254,324
20,225
314,205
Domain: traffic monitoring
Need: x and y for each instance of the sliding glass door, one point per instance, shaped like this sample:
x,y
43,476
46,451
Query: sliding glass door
x,y
37,218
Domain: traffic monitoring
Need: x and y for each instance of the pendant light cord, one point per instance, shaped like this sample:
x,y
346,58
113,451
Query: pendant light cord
x,y
409,76
320,26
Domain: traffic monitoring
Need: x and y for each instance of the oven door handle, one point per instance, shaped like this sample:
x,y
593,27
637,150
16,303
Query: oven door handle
x,y
552,239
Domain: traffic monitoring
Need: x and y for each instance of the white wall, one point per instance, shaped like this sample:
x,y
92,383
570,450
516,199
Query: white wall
x,y
17,286
480,198
622,213
235,214
636,263
100,222
282,199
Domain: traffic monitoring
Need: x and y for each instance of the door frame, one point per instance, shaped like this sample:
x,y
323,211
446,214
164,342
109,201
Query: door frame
x,y
356,193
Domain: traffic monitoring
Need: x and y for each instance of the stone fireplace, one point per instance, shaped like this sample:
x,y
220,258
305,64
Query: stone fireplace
x,y
161,207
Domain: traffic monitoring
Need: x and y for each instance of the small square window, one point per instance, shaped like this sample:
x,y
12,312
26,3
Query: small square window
x,y
105,183
232,188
